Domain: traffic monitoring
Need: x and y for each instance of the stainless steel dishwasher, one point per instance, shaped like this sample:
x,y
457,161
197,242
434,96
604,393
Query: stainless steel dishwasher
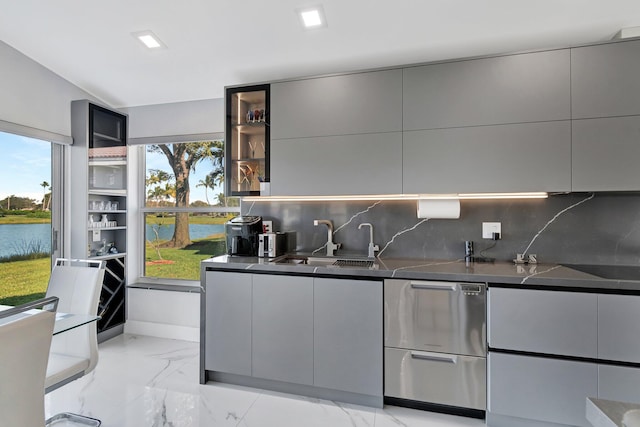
x,y
435,345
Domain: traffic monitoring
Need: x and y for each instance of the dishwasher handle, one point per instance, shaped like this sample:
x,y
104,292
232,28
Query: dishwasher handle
x,y
434,286
436,357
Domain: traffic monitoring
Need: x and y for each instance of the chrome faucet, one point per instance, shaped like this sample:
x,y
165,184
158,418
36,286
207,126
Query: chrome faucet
x,y
372,247
331,247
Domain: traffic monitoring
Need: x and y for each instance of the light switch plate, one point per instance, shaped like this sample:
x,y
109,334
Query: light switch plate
x,y
488,228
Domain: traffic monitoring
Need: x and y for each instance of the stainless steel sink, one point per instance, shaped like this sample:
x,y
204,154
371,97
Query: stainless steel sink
x,y
326,261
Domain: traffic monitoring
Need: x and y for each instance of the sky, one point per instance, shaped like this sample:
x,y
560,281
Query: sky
x,y
24,164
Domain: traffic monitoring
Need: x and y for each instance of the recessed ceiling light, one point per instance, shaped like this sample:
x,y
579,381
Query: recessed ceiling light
x,y
312,17
149,39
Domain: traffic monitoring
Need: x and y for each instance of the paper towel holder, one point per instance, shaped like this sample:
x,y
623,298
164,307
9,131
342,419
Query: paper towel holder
x,y
439,208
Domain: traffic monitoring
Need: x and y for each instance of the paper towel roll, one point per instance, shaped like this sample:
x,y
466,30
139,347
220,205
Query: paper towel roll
x,y
439,208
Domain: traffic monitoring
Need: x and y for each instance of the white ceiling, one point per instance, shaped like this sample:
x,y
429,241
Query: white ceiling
x,y
214,43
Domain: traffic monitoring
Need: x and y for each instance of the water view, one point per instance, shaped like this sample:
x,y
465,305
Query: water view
x,y
196,231
16,239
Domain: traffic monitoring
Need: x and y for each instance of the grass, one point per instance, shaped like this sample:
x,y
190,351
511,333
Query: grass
x,y
183,263
24,281
23,219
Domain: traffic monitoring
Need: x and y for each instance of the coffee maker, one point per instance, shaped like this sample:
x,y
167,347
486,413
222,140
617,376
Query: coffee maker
x,y
242,235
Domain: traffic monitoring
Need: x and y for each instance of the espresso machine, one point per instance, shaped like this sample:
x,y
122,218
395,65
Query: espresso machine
x,y
242,235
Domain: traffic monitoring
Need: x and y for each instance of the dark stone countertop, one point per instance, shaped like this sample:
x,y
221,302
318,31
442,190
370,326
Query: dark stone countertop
x,y
504,273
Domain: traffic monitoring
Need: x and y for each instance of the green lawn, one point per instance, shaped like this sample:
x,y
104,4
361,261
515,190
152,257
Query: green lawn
x,y
182,263
24,281
22,219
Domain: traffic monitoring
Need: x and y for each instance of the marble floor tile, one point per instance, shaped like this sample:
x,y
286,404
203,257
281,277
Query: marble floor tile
x,y
146,381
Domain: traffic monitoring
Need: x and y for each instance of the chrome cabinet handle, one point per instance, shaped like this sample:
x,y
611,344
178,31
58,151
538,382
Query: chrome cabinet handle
x,y
436,357
435,286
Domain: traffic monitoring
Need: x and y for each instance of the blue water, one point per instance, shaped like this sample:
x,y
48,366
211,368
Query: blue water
x,y
15,239
196,231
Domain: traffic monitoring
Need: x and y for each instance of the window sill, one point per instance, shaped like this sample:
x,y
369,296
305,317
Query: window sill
x,y
189,287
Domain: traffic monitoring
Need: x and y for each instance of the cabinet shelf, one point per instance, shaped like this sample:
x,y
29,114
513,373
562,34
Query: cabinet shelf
x,y
107,192
101,136
95,211
107,163
119,227
250,160
110,256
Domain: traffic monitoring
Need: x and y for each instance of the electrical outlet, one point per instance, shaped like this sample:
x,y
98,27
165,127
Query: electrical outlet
x,y
488,228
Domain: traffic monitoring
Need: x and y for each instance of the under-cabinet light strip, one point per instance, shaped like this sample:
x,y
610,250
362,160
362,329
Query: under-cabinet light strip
x,y
461,196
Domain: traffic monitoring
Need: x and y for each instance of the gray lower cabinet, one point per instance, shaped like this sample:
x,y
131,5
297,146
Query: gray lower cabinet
x,y
368,102
605,154
550,322
604,80
618,328
347,344
282,328
506,89
543,389
228,322
519,157
619,383
337,165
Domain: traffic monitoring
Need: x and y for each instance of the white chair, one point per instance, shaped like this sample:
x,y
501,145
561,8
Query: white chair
x,y
25,339
77,284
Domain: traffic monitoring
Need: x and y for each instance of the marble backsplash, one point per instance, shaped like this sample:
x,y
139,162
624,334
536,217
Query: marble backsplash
x,y
577,228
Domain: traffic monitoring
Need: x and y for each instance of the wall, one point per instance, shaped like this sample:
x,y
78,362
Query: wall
x,y
573,228
157,312
34,96
179,118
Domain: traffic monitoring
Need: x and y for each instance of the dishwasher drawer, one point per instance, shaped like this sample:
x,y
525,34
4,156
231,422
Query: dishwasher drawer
x,y
441,378
444,317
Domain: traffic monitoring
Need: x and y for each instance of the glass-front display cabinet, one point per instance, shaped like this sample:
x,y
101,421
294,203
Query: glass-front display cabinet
x,y
246,139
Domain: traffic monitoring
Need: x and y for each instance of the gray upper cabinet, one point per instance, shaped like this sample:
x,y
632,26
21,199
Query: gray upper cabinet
x,y
228,322
337,165
605,154
604,80
504,158
369,102
519,88
348,335
282,327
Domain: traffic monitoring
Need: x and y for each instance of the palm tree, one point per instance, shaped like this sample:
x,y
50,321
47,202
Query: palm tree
x,y
44,185
207,182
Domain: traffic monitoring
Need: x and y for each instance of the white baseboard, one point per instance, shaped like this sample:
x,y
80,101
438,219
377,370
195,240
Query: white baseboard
x,y
162,330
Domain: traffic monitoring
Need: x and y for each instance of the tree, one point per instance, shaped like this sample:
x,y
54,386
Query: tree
x,y
207,182
156,191
44,185
183,159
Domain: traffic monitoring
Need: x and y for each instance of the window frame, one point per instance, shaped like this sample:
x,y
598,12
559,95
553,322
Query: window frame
x,y
144,210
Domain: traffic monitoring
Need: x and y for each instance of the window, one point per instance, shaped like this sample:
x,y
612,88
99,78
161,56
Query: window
x,y
184,208
26,205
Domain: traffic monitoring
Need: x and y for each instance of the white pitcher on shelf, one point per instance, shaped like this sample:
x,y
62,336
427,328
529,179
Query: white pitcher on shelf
x,y
104,220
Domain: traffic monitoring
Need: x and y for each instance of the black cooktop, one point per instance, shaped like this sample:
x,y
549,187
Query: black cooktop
x,y
613,272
